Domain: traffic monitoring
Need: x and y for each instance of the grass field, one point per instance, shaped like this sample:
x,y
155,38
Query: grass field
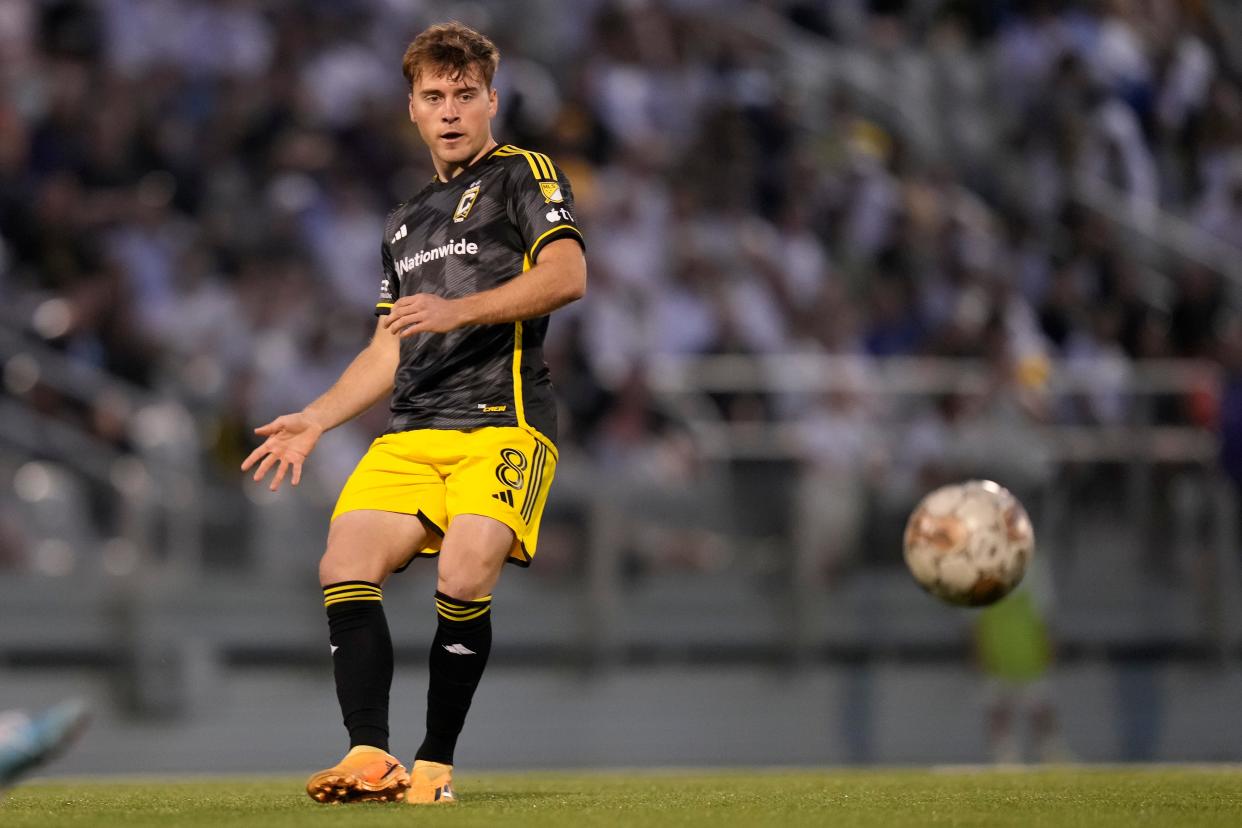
x,y
1057,797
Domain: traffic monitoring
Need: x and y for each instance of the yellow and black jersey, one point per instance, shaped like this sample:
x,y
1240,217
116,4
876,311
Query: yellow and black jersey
x,y
471,234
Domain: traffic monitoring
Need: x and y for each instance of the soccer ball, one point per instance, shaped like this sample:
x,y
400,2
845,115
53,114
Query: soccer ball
x,y
969,543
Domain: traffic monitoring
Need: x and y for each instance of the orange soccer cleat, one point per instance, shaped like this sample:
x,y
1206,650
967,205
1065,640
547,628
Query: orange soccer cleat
x,y
366,774
431,783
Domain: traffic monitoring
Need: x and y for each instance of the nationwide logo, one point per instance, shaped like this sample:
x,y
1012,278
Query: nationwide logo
x,y
452,248
468,198
400,234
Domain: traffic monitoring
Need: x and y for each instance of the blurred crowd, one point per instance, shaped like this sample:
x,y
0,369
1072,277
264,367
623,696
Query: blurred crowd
x,y
192,192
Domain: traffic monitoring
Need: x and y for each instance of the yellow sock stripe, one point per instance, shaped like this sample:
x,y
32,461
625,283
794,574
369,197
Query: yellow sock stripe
x,y
453,606
356,591
330,601
468,616
446,606
358,594
339,588
451,611
359,585
462,602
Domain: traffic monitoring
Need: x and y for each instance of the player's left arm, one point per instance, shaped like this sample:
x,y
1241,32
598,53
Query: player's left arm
x,y
558,278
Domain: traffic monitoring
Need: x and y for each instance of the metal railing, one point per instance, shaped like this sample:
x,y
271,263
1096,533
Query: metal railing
x,y
766,604
155,480
1184,455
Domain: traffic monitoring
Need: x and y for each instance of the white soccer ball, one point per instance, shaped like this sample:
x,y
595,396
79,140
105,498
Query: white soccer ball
x,y
969,543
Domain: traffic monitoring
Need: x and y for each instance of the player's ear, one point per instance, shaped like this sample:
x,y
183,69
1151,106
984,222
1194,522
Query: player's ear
x,y
413,119
492,102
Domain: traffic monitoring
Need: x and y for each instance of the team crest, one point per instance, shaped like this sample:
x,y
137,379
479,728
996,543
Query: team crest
x,y
468,198
551,192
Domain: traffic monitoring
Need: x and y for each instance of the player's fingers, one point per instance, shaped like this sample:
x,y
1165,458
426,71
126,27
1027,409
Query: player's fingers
x,y
407,306
280,475
416,323
265,467
297,472
254,455
394,319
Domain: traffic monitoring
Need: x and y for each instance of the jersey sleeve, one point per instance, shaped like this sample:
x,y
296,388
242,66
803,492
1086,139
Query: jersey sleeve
x,y
390,284
541,202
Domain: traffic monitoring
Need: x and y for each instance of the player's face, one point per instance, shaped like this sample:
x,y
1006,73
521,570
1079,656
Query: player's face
x,y
453,117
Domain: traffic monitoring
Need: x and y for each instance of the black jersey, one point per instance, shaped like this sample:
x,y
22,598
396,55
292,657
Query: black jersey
x,y
471,234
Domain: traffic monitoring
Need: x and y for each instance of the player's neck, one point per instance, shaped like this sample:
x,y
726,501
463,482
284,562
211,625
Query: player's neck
x,y
446,170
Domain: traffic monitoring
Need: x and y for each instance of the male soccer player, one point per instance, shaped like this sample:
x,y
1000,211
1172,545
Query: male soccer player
x,y
473,265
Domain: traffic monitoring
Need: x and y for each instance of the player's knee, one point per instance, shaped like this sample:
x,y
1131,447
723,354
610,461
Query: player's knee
x,y
462,584
332,570
337,565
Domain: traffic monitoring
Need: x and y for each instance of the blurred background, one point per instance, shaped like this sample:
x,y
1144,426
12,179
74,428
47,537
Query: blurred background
x,y
840,251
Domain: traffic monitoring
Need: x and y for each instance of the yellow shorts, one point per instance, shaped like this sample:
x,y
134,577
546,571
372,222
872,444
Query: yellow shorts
x,y
437,474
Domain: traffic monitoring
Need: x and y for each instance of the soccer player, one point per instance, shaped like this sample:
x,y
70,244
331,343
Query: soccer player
x,y
472,266
1015,650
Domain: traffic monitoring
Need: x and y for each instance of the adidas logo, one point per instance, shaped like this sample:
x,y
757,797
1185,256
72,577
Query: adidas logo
x,y
400,234
459,649
504,497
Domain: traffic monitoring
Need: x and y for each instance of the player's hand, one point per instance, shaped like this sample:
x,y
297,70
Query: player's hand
x,y
424,313
290,439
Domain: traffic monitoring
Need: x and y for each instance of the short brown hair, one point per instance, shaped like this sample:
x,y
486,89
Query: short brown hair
x,y
451,49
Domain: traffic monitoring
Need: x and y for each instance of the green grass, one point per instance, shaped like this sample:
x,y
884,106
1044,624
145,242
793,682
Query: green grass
x,y
1056,797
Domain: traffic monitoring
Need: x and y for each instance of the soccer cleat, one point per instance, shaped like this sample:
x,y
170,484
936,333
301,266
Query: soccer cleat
x,y
366,774
431,783
27,741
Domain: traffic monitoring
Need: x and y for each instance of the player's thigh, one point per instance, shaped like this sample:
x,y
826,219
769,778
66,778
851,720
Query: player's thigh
x,y
397,474
474,551
505,475
367,545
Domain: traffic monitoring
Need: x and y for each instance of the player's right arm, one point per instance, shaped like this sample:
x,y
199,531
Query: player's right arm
x,y
291,437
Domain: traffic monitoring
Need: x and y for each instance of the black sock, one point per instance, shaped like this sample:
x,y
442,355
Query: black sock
x,y
458,655
361,659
